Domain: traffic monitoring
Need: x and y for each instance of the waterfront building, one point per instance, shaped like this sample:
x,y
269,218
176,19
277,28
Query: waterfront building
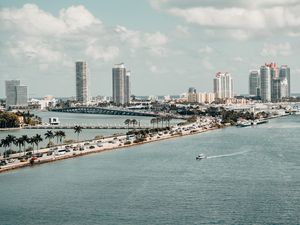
x,y
276,90
223,86
205,98
254,83
265,83
284,73
192,95
284,89
127,87
81,82
121,84
16,95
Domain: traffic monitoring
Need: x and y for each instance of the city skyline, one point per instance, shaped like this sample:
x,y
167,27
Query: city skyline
x,y
161,41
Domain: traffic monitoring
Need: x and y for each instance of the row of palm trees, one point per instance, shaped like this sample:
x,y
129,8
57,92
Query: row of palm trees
x,y
153,121
161,120
36,139
20,142
132,122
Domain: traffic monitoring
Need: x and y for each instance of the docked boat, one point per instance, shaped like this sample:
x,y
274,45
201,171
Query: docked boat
x,y
200,157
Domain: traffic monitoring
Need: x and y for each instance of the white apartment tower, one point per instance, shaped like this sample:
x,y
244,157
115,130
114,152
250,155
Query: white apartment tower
x,y
121,84
284,74
265,83
81,82
223,86
254,83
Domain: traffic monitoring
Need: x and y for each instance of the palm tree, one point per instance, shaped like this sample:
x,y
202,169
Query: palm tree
x,y
134,122
19,142
26,139
157,121
57,134
153,121
168,119
49,135
162,119
31,141
4,143
62,135
37,139
78,130
127,122
10,139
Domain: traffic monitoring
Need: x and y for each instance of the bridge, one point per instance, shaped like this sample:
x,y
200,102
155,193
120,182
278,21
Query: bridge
x,y
119,127
106,111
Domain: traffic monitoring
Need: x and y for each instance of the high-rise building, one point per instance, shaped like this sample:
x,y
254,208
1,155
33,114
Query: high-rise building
x,y
21,94
254,83
223,86
127,87
284,73
192,94
276,90
16,95
81,82
284,89
265,83
121,84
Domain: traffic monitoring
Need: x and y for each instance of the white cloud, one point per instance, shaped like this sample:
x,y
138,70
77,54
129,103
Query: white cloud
x,y
33,21
35,35
102,53
273,50
241,19
206,50
31,49
238,59
182,30
155,39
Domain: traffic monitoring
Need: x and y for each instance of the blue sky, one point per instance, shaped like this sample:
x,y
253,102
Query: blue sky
x,y
169,45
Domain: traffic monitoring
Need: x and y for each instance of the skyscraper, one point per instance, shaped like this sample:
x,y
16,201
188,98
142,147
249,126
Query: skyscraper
x,y
276,90
192,94
284,73
223,86
127,87
81,82
265,83
254,83
121,84
16,95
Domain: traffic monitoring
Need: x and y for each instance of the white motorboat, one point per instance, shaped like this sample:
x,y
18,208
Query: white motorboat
x,y
200,157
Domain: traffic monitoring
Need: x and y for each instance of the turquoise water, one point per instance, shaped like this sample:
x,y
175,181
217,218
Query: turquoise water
x,y
251,176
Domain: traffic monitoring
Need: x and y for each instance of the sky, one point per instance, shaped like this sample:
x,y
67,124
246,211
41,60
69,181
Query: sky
x,y
168,45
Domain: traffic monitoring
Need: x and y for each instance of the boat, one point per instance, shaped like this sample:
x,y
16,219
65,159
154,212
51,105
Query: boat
x,y
200,156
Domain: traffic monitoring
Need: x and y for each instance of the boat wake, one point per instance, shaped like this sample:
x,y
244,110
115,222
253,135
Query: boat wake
x,y
227,155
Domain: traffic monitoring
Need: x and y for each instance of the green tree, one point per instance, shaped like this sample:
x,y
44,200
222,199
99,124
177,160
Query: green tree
x,y
127,122
26,139
61,135
4,143
153,121
134,122
49,135
19,142
11,139
36,140
77,130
